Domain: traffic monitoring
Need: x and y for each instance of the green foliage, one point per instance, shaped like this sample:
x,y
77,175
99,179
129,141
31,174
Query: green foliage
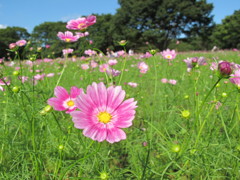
x,y
227,34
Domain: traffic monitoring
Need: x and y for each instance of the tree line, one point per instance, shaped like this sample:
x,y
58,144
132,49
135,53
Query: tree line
x,y
157,24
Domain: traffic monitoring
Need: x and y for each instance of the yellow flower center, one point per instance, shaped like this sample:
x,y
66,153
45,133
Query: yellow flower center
x,y
104,117
67,40
168,56
70,103
80,25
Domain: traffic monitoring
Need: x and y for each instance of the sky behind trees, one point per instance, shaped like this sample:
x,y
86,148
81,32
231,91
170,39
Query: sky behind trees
x,y
29,14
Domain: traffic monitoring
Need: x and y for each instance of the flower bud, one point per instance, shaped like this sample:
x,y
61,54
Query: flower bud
x,y
224,69
122,42
15,73
103,175
153,52
15,89
47,108
185,114
176,148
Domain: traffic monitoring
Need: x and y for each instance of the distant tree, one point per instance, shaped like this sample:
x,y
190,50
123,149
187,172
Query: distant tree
x,y
227,34
102,33
11,35
159,21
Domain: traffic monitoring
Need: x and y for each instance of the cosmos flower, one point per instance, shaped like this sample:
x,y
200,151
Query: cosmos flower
x,y
84,66
143,67
90,52
64,101
112,62
67,36
21,43
169,54
235,78
103,112
67,51
132,84
81,23
103,67
194,62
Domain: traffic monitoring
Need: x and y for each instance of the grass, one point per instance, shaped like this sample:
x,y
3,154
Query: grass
x,y
161,144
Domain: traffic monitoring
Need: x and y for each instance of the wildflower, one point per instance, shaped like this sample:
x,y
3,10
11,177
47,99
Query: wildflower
x,y
143,67
90,52
93,64
169,54
84,66
224,69
113,72
235,78
63,101
103,67
81,23
67,51
112,62
12,45
172,81
164,80
67,36
194,62
79,34
21,43
132,84
146,55
103,113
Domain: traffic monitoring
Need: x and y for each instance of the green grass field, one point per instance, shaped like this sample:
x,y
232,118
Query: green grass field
x,y
164,142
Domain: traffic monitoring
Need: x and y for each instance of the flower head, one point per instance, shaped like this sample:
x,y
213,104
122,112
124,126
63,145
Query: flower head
x,y
169,54
21,43
67,36
143,67
67,51
81,23
225,69
64,101
103,112
235,78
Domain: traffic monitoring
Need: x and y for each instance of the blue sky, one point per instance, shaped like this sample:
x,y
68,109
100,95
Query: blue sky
x,y
30,13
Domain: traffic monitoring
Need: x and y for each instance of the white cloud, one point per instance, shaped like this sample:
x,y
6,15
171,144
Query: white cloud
x,y
3,26
73,16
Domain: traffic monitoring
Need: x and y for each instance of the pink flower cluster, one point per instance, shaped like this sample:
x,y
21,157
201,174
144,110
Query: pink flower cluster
x,y
19,43
101,112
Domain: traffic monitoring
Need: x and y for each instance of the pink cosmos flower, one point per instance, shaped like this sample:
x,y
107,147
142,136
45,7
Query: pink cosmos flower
x,y
39,77
12,45
93,64
84,66
103,67
132,84
63,101
120,53
21,43
164,80
146,55
81,23
67,36
172,81
169,54
79,34
67,51
103,112
143,67
112,62
47,46
194,62
235,78
113,72
90,52
23,78
4,83
50,75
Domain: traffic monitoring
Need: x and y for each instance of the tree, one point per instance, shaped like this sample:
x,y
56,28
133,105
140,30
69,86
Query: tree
x,y
11,35
159,21
227,34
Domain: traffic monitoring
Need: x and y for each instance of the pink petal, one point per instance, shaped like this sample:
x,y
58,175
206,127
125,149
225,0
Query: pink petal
x,y
115,135
80,120
56,104
115,97
61,93
75,92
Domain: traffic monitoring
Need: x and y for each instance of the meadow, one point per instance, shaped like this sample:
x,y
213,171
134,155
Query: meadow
x,y
186,124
